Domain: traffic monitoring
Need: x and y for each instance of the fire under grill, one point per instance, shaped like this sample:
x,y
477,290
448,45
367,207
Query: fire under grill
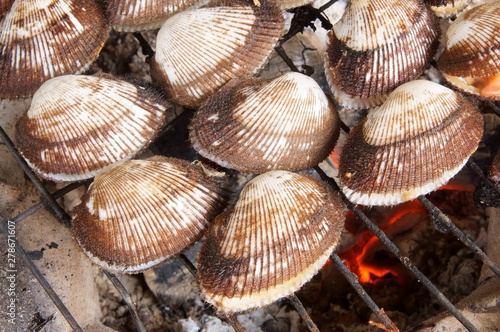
x,y
439,220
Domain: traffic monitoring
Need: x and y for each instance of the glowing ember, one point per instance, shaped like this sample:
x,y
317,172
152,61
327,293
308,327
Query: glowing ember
x,y
369,259
363,259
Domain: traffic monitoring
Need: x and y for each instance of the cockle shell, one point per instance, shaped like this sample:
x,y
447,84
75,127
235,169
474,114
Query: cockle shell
x,y
472,50
447,8
140,15
256,125
376,46
139,213
77,125
198,51
280,232
43,39
414,143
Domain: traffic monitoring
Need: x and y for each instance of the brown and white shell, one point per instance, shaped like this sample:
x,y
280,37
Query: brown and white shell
x,y
43,39
256,125
77,125
140,213
376,46
414,143
141,15
200,50
447,8
472,52
280,232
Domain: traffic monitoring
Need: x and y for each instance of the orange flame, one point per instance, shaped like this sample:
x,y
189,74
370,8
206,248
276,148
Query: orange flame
x,y
359,258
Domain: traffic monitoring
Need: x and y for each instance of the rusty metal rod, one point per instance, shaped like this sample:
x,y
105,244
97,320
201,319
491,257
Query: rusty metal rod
x,y
294,300
397,253
354,281
60,213
128,300
231,318
147,50
446,221
281,52
495,108
41,279
40,205
476,169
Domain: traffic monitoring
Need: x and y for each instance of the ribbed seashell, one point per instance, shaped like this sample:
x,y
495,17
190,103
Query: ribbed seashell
x,y
414,143
77,125
447,8
141,15
277,236
43,39
472,52
139,213
376,46
198,51
257,125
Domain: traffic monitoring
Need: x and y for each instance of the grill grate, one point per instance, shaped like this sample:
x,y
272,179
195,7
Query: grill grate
x,y
49,200
304,16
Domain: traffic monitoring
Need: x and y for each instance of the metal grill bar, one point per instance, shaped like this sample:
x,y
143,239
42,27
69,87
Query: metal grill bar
x,y
451,227
230,318
494,107
354,281
40,205
397,253
49,200
60,213
476,169
64,218
294,300
128,300
41,279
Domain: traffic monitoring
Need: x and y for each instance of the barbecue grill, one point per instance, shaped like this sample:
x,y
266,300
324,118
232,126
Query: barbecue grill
x,y
440,221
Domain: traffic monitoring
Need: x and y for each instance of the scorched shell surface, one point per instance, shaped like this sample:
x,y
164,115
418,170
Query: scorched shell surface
x,y
43,39
258,125
376,46
414,143
277,236
140,213
199,50
77,125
